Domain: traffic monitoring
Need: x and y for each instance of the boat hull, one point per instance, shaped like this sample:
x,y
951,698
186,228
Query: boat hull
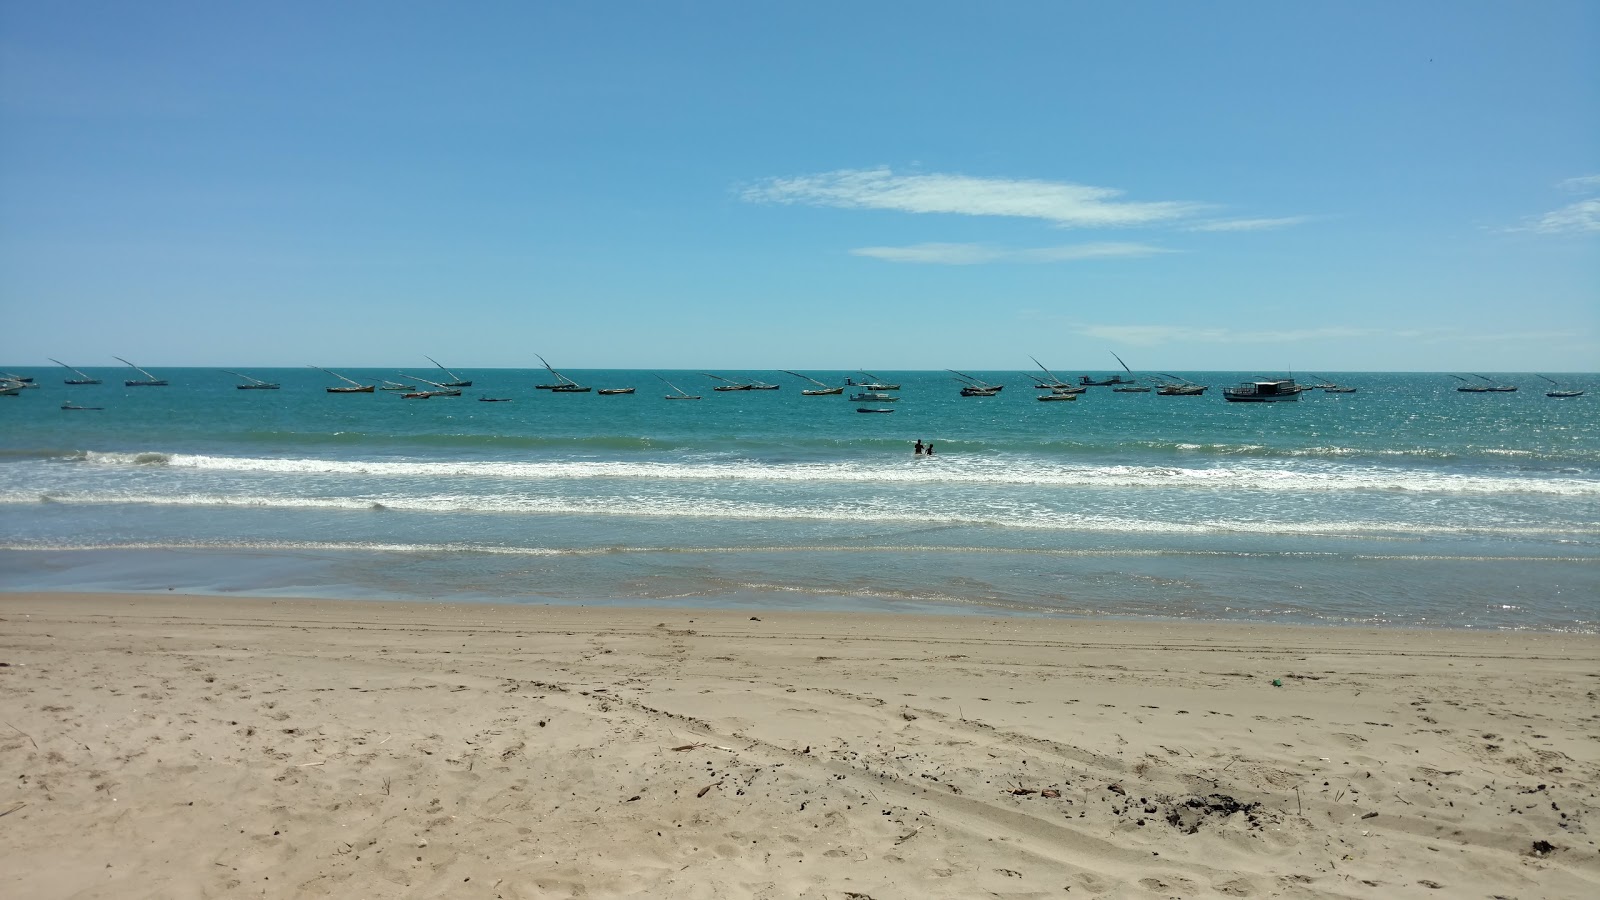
x,y
570,389
256,387
1048,398
612,392
868,409
353,389
152,383
821,392
82,381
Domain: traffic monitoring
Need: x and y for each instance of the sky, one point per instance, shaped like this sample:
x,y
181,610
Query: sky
x,y
824,185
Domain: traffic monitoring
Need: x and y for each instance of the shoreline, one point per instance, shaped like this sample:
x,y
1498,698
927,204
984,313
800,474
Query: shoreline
x,y
187,745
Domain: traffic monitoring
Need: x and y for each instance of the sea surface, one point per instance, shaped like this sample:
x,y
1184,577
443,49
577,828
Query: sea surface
x,y
1406,503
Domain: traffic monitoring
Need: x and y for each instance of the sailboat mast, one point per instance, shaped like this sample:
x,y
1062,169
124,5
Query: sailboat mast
x,y
453,376
141,371
67,367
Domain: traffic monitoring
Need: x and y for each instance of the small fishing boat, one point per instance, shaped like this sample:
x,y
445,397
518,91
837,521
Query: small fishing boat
x,y
1327,387
494,399
977,384
873,383
10,388
70,406
563,385
1263,391
1052,383
251,384
1128,386
1134,389
1179,387
681,393
612,392
970,391
19,379
351,385
1560,392
1055,395
821,389
81,379
873,397
439,389
1495,388
148,380
732,385
396,386
868,409
1113,381
455,380
1470,387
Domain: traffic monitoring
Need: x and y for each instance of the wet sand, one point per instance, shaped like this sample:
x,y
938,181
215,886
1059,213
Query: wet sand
x,y
178,746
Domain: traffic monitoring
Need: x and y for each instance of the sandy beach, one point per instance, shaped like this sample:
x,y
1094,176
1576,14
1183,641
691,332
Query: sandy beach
x,y
181,746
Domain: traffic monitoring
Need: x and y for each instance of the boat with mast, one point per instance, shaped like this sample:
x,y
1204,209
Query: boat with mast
x,y
563,385
11,388
732,385
681,393
1493,387
1327,387
975,387
251,384
1132,386
396,386
455,380
873,383
25,381
1058,395
612,392
1053,383
351,385
439,389
821,390
1560,392
147,381
1470,387
1179,387
81,379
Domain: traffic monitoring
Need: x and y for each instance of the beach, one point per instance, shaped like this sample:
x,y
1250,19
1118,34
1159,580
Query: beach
x,y
171,745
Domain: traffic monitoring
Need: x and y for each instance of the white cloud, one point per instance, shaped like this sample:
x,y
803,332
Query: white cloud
x,y
972,254
1058,202
1583,184
1574,218
1248,224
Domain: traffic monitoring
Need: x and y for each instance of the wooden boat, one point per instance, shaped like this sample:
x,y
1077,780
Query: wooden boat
x,y
455,380
1497,388
732,385
976,383
1113,381
1179,387
1135,389
868,409
252,384
1327,387
1263,391
821,390
439,389
1055,395
563,385
69,406
1052,383
396,386
873,383
970,391
19,379
1560,392
1130,385
352,386
148,380
494,399
612,392
81,379
1469,387
429,395
681,393
873,397
10,388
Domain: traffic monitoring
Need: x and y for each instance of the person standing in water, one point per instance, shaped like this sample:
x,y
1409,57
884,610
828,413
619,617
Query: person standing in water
x,y
928,450
918,448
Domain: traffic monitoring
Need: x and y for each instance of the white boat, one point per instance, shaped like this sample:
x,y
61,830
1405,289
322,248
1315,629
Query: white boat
x,y
821,390
681,393
251,384
612,392
81,379
1263,391
455,380
873,383
148,380
873,397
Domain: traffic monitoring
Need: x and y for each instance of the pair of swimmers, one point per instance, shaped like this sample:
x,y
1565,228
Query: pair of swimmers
x,y
921,449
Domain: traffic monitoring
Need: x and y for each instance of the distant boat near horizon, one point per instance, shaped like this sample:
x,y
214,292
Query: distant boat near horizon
x,y
681,393
352,386
252,384
455,380
1561,393
563,385
148,380
82,377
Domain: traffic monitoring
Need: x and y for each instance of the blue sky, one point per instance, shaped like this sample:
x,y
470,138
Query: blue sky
x,y
1322,186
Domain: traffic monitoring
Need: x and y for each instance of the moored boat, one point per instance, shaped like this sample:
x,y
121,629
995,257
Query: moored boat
x,y
821,389
868,409
1263,391
681,393
148,380
1055,395
873,397
455,380
440,389
351,385
979,387
1561,393
563,385
873,383
251,384
612,392
82,377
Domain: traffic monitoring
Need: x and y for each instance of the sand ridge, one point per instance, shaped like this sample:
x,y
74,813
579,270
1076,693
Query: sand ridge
x,y
172,746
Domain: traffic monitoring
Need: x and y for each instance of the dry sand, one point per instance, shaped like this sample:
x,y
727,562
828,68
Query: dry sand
x,y
174,746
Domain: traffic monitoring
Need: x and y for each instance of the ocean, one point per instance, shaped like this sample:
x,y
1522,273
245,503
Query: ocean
x,y
1406,503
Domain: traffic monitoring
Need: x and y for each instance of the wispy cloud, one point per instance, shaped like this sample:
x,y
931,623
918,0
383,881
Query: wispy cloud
x,y
1582,217
1248,224
1152,335
973,254
1061,203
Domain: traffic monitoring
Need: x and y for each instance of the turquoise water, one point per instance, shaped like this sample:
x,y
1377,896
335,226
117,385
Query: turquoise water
x,y
1405,503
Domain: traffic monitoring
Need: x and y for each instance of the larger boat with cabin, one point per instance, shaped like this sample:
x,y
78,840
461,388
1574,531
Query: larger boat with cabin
x,y
1263,391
